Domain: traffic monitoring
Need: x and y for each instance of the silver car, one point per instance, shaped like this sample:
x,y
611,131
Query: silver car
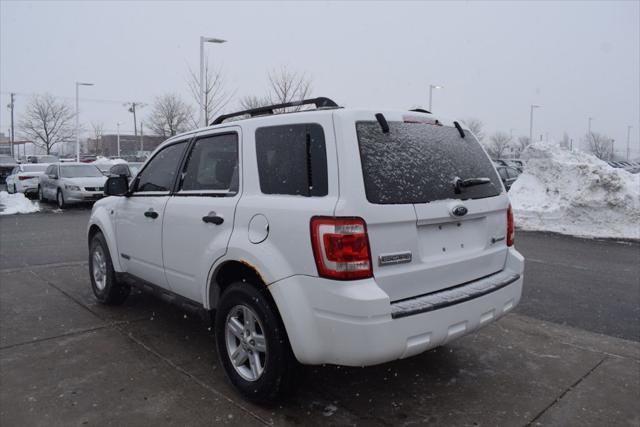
x,y
68,183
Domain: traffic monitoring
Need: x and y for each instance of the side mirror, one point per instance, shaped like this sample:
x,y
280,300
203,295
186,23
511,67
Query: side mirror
x,y
53,176
116,186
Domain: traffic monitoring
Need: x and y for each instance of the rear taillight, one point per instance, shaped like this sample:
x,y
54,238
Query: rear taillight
x,y
511,228
341,248
22,178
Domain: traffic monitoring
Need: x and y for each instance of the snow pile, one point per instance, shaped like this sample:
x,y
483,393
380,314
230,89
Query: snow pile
x,y
16,203
107,162
575,193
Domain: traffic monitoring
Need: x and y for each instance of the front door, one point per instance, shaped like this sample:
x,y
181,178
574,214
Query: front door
x,y
140,216
198,218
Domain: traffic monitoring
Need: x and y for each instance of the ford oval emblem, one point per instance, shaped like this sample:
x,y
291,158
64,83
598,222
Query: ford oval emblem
x,y
459,211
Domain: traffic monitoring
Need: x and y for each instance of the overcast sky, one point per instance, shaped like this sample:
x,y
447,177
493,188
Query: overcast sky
x,y
494,59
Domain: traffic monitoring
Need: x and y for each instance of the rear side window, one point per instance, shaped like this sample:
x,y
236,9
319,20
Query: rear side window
x,y
417,163
292,159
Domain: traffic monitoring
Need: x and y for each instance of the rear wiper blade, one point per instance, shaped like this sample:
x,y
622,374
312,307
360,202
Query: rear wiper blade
x,y
459,184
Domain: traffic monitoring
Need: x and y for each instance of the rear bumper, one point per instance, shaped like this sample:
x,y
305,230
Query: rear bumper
x,y
354,323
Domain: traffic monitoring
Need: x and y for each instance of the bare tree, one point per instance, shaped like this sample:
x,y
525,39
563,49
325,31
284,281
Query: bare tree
x,y
476,127
98,131
600,145
170,115
216,95
47,122
498,144
523,143
287,86
250,102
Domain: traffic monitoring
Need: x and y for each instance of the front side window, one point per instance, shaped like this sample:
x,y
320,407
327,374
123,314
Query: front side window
x,y
213,165
292,159
160,173
418,163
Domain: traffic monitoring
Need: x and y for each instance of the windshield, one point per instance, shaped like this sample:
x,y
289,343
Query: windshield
x,y
417,163
34,168
78,171
134,167
7,159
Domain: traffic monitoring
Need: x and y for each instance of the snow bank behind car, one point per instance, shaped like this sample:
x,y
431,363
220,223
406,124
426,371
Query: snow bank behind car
x,y
16,203
575,193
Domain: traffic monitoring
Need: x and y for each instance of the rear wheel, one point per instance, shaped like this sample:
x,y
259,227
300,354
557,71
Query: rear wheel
x,y
103,277
252,344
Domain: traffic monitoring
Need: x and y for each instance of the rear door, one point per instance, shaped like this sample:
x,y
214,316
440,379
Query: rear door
x,y
199,217
424,234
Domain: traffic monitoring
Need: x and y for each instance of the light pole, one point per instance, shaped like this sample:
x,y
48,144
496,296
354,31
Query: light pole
x,y
589,126
531,122
118,137
78,84
202,120
628,141
431,88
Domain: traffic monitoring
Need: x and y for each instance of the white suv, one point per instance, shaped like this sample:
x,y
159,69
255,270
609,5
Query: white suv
x,y
331,235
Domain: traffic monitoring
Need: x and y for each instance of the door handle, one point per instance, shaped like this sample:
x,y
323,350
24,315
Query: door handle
x,y
151,214
213,218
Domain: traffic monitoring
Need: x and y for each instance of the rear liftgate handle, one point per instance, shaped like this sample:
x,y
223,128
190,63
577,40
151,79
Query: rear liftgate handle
x,y
213,218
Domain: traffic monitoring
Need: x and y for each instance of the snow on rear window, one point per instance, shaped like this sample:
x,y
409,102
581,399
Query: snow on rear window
x,y
417,163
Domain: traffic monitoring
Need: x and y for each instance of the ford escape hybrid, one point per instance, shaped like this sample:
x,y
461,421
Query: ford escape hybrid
x,y
328,235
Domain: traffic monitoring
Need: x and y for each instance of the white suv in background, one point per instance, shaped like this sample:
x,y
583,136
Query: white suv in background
x,y
335,236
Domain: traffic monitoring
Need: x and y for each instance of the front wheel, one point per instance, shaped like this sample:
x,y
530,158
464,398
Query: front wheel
x,y
252,344
103,277
41,195
60,200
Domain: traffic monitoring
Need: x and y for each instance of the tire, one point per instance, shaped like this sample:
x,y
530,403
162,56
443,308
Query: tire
x,y
103,277
60,200
41,195
279,365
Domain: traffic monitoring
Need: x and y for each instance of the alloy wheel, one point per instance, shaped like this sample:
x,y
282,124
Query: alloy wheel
x,y
246,343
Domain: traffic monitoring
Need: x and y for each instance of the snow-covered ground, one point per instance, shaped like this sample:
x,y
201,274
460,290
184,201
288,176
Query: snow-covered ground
x,y
16,203
575,193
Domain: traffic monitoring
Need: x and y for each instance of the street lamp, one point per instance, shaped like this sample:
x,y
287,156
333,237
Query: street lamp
x,y
531,122
202,120
431,88
589,126
118,137
78,84
628,140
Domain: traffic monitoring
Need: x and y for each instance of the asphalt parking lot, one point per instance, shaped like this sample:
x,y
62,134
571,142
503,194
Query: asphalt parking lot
x,y
569,354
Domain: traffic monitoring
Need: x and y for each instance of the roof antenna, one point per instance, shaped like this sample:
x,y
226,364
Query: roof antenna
x,y
383,122
457,125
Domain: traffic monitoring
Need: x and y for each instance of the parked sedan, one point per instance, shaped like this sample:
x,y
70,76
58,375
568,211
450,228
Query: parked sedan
x,y
25,178
7,164
508,175
68,183
125,169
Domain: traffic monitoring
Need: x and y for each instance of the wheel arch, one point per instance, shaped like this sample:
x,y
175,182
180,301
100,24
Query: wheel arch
x,y
228,272
97,224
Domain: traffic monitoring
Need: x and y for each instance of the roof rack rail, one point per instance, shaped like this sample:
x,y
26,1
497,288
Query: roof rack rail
x,y
320,102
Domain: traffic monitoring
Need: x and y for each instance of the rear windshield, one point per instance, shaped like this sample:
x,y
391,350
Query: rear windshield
x,y
34,168
417,163
79,171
